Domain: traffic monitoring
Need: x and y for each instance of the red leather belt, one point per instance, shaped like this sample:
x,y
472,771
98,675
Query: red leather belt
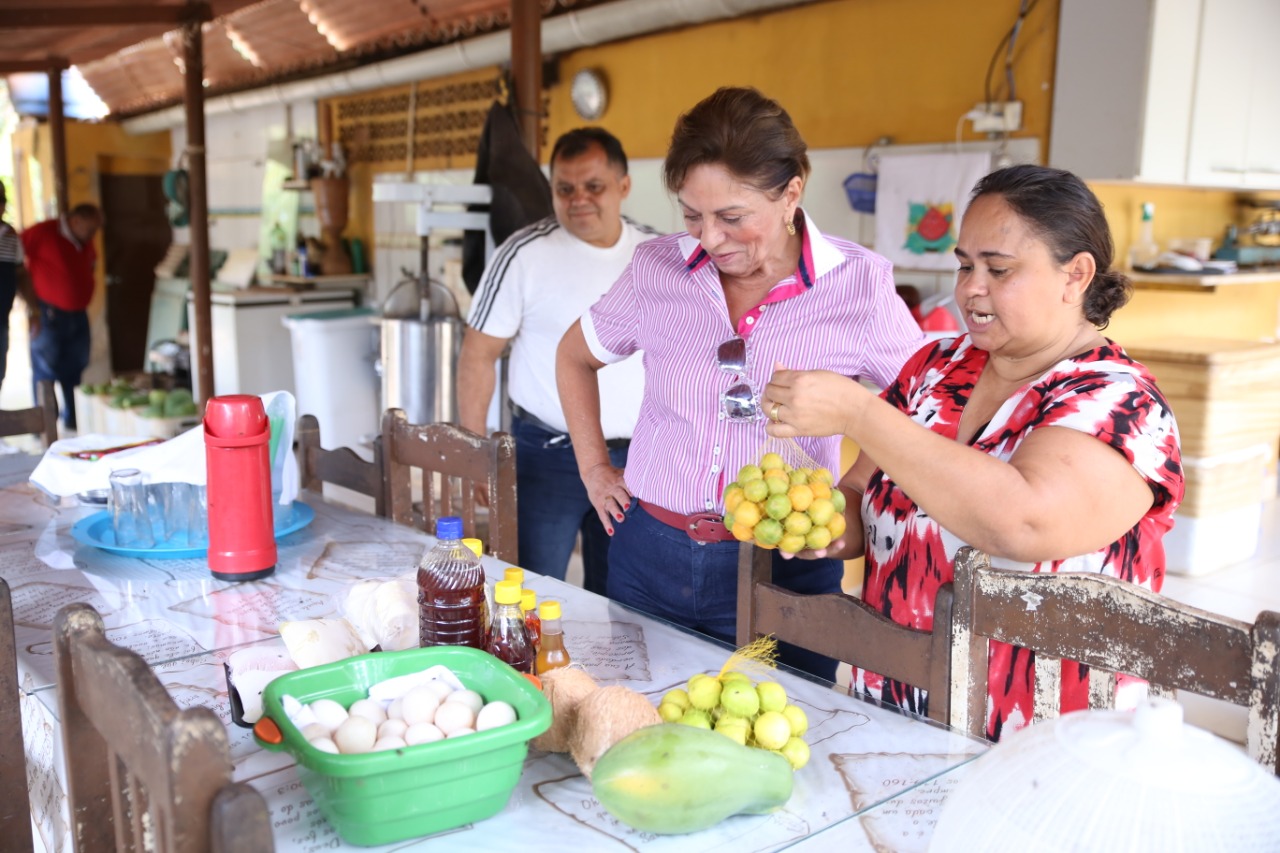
x,y
701,526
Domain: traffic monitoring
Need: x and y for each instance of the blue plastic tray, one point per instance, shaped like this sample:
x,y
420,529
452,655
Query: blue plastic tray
x,y
96,531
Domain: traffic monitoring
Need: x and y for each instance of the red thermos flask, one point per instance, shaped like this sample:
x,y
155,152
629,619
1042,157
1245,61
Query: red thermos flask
x,y
237,441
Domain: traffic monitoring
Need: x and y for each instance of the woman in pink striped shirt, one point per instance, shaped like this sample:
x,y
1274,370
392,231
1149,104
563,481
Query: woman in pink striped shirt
x,y
752,283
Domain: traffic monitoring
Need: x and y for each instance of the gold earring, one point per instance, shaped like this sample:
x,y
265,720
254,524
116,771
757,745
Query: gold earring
x,y
791,228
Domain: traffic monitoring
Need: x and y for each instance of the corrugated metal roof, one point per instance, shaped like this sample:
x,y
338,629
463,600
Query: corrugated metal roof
x,y
135,68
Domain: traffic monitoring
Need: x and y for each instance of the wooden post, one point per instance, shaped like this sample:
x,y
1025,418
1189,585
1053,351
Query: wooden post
x,y
526,69
58,138
193,56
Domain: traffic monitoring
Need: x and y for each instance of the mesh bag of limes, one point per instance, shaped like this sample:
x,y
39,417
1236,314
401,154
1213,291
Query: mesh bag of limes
x,y
777,505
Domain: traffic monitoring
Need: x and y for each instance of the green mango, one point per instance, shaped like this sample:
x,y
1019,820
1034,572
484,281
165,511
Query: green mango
x,y
670,779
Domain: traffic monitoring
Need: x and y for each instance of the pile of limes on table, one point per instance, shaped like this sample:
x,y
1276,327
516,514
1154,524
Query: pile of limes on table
x,y
778,506
755,715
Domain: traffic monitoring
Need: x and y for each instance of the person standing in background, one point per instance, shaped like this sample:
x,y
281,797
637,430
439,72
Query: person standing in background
x,y
60,258
536,285
10,270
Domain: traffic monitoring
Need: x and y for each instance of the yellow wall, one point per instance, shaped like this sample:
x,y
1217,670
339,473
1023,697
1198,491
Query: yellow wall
x,y
848,71
92,149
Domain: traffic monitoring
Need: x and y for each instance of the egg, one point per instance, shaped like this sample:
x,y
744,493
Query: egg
x,y
395,711
312,731
329,713
422,733
419,706
497,713
452,716
442,690
369,709
389,743
466,730
355,735
325,744
470,698
392,728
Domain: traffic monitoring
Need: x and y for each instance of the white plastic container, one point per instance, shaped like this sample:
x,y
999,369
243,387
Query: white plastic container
x,y
1107,781
1199,545
334,378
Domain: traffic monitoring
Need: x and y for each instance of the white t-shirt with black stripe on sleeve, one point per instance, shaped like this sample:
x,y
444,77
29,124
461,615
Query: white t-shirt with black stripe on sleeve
x,y
535,286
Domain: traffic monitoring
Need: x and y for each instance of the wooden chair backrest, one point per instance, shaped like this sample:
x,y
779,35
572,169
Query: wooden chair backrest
x,y
453,461
847,629
140,769
340,466
1112,627
41,419
15,802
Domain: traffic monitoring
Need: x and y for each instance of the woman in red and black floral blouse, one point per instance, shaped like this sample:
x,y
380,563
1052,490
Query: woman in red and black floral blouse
x,y
1032,437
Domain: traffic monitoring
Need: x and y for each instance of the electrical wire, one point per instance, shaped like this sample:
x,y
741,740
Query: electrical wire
x,y
1010,38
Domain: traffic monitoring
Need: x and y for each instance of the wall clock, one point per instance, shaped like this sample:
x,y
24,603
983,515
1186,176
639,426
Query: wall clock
x,y
589,94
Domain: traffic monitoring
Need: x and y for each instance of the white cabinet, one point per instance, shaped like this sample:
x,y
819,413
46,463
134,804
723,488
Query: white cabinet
x,y
1168,91
252,351
1235,135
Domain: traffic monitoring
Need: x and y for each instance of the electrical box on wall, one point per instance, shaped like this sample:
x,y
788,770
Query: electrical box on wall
x,y
997,117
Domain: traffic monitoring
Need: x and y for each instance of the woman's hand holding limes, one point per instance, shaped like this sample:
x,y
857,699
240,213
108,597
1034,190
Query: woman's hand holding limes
x,y
810,402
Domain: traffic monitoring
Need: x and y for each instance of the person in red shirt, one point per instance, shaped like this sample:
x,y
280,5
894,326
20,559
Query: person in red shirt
x,y
60,259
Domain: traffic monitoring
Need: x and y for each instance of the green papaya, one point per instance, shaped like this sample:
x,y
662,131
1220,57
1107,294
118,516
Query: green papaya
x,y
670,779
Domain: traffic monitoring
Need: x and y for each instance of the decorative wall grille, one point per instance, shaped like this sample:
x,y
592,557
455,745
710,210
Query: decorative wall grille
x,y
448,119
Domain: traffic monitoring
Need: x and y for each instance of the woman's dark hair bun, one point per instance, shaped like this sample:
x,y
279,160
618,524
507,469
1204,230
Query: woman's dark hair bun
x,y
1108,293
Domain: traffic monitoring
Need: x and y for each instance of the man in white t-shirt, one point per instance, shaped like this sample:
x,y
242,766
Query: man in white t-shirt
x,y
542,279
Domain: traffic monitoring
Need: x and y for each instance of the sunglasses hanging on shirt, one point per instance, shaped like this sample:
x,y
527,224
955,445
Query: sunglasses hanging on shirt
x,y
739,402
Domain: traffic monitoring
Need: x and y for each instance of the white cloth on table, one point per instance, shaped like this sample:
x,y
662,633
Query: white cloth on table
x,y
181,459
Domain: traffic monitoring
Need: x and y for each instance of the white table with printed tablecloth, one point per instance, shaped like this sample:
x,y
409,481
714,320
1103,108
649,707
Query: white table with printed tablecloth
x,y
876,778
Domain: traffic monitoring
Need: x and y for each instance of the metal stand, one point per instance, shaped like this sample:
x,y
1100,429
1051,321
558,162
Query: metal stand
x,y
427,197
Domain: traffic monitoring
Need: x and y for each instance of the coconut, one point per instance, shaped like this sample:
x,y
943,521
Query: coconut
x,y
604,718
564,688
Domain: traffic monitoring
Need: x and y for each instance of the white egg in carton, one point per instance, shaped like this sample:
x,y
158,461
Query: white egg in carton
x,y
406,710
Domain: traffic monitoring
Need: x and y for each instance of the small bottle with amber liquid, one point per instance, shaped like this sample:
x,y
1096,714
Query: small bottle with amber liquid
x,y
552,653
508,638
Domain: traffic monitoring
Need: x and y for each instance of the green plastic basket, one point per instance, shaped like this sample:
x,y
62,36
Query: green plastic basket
x,y
393,795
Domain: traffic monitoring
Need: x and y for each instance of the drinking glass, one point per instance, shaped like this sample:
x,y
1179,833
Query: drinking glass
x,y
198,522
130,517
172,507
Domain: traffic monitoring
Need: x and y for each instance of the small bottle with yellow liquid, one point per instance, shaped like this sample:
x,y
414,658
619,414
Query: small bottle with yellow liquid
x,y
552,653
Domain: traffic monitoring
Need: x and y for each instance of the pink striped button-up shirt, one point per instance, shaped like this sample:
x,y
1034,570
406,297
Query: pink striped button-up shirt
x,y
839,311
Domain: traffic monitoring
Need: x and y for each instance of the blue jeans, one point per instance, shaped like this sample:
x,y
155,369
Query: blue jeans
x,y
553,507
60,353
658,569
8,288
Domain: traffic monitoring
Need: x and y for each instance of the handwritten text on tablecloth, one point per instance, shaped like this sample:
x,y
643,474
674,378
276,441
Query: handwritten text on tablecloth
x,y
610,651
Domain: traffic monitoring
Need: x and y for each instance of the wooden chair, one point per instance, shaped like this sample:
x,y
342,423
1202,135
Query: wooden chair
x,y
847,629
1112,627
140,772
41,419
340,466
453,461
15,803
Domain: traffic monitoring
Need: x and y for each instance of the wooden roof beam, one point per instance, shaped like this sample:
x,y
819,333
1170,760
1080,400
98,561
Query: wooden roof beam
x,y
41,17
32,66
